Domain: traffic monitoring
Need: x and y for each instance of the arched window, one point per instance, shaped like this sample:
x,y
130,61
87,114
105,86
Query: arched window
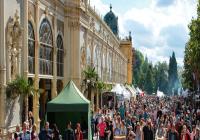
x,y
110,67
46,48
88,56
31,49
95,59
60,56
99,64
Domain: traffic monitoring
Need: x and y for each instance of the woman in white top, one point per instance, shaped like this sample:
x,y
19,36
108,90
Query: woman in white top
x,y
160,132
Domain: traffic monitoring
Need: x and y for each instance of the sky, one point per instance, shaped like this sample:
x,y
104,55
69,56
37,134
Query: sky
x,y
158,27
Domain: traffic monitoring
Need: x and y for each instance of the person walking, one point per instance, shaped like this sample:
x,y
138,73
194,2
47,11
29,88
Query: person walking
x,y
78,132
55,132
148,131
69,132
123,130
172,133
185,134
138,132
16,133
101,128
160,132
46,133
34,134
25,134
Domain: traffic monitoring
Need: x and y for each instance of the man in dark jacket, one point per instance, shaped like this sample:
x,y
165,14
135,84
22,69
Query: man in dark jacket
x,y
46,133
148,131
69,133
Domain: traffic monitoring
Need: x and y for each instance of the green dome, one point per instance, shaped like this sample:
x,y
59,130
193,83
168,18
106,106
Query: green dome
x,y
112,21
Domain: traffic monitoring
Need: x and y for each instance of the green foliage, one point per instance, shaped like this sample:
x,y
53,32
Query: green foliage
x,y
192,54
154,77
90,79
101,85
19,86
90,74
161,77
173,74
149,83
139,60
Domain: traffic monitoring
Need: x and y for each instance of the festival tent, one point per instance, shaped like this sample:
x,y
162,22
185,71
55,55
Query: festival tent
x,y
160,93
126,93
121,91
69,105
139,92
132,90
117,89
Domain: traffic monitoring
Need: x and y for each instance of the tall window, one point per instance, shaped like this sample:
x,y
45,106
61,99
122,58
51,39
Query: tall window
x,y
88,56
31,49
46,48
60,56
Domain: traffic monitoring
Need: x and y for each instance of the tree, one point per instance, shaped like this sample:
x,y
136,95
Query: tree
x,y
187,73
173,74
137,71
20,86
191,74
148,85
161,77
90,79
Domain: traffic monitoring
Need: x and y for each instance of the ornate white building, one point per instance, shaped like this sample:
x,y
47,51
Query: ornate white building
x,y
51,42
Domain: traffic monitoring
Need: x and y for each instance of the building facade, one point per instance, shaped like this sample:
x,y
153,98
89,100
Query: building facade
x,y
51,42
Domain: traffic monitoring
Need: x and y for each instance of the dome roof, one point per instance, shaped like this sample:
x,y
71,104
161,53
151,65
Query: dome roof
x,y
112,21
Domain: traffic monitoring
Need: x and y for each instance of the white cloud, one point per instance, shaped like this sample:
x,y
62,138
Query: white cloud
x,y
155,19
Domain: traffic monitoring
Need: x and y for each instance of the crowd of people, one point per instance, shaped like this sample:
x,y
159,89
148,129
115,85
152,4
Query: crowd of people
x,y
146,118
149,118
28,131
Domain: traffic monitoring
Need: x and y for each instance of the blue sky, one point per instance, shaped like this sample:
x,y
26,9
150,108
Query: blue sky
x,y
158,26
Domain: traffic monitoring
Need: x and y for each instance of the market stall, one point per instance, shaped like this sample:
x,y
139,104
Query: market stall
x,y
70,105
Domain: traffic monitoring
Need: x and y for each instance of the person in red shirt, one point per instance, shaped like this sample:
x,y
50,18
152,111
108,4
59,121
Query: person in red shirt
x,y
101,128
78,132
185,134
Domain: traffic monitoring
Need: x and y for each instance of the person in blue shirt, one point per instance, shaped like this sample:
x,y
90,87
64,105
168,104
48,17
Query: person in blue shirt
x,y
122,112
25,134
46,133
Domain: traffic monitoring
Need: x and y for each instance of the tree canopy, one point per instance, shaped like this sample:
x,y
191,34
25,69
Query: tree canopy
x,y
159,76
191,76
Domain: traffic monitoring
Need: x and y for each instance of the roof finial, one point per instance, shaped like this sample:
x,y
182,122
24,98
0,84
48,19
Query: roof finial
x,y
110,7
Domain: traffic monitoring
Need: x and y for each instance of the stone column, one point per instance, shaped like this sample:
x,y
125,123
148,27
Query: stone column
x,y
75,51
36,79
54,80
66,52
24,65
19,64
2,67
97,100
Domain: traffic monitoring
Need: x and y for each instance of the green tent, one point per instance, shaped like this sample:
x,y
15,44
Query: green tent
x,y
70,105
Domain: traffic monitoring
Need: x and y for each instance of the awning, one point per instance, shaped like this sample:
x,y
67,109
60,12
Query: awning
x,y
69,99
131,90
121,90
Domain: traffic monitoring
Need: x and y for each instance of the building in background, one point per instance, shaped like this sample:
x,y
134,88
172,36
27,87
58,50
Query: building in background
x,y
51,42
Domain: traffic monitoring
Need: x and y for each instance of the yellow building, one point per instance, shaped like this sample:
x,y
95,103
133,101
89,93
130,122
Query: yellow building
x,y
51,42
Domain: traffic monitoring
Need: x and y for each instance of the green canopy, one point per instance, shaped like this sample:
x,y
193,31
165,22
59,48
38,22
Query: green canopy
x,y
71,105
69,99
